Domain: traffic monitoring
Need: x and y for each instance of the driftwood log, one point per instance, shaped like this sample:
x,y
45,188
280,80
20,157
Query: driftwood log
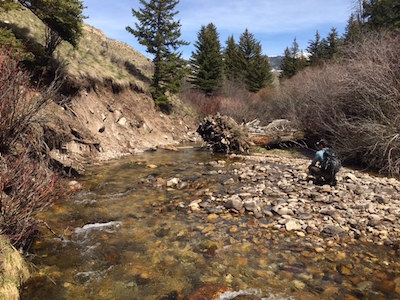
x,y
224,135
276,133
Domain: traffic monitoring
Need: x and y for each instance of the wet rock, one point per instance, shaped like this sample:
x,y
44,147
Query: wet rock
x,y
364,286
173,182
386,286
247,297
251,206
331,230
234,202
266,210
194,205
298,285
74,185
229,181
173,296
208,291
345,270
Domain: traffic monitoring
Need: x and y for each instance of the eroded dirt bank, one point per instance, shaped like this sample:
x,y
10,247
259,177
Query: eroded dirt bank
x,y
100,125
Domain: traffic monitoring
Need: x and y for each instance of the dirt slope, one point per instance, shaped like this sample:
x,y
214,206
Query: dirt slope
x,y
109,111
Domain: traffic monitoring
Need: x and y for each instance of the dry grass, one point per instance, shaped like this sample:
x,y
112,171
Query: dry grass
x,y
96,59
13,271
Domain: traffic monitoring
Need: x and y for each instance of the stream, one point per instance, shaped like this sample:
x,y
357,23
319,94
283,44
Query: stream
x,y
130,236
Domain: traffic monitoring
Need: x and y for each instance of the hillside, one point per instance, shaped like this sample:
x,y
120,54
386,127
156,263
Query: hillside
x,y
108,111
275,62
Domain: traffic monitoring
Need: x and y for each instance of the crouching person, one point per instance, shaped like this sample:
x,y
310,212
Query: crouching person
x,y
325,164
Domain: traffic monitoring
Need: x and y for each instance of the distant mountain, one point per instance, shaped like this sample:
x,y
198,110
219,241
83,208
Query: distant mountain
x,y
275,62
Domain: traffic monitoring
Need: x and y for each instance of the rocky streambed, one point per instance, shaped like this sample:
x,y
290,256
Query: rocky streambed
x,y
188,224
277,191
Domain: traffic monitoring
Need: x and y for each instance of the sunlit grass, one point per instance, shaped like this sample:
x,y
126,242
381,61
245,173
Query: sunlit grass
x,y
96,57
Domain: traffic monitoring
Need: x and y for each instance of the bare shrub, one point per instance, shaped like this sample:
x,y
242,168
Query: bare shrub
x,y
355,102
203,104
26,188
19,101
26,183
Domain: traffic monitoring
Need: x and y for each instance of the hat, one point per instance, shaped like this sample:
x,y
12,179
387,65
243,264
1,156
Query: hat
x,y
322,142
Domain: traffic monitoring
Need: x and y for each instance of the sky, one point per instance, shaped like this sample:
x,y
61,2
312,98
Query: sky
x,y
275,23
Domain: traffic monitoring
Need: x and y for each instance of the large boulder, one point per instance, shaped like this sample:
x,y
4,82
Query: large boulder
x,y
224,135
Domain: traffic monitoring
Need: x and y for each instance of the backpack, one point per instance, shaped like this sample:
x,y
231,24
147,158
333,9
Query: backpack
x,y
332,163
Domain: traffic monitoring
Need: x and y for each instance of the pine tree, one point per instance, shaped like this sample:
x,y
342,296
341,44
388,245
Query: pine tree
x,y
256,68
64,19
293,61
232,64
314,48
206,61
380,14
287,65
333,43
157,30
329,46
353,30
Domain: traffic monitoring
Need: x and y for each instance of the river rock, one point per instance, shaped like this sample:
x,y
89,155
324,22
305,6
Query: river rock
x,y
173,182
292,225
331,230
229,181
234,202
374,220
280,210
251,205
194,205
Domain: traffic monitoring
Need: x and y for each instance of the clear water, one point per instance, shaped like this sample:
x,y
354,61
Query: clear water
x,y
126,239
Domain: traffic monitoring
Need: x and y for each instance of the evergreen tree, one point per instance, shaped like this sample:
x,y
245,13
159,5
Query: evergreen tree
x,y
329,46
293,61
314,49
380,14
333,43
287,65
157,30
64,19
232,64
353,30
255,66
207,61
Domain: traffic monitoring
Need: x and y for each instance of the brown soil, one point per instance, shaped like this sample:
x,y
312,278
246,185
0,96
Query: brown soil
x,y
101,125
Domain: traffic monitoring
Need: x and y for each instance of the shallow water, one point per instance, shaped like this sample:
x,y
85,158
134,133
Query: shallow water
x,y
126,239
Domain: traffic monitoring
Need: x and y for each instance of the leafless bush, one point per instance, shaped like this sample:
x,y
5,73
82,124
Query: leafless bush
x,y
26,183
235,101
355,102
26,188
19,101
245,106
203,104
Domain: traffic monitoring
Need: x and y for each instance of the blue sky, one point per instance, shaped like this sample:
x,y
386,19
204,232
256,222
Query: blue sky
x,y
275,23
